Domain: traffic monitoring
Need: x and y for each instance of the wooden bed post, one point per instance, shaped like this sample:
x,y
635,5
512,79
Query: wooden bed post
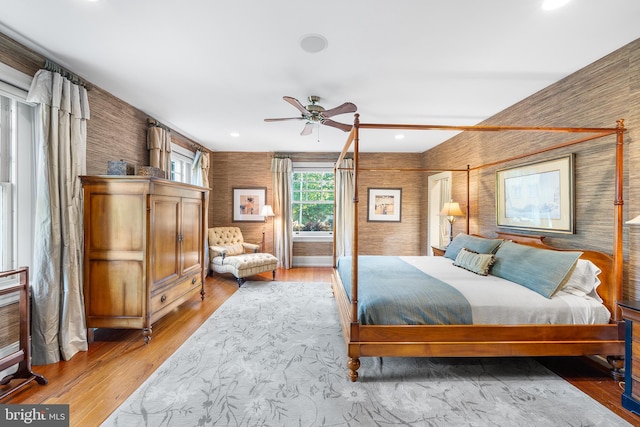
x,y
334,257
353,363
356,200
617,232
468,198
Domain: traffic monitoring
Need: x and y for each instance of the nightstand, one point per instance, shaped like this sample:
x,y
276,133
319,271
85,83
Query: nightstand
x,y
437,251
631,395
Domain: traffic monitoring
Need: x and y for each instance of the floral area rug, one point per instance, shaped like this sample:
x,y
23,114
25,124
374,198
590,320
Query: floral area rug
x,y
273,355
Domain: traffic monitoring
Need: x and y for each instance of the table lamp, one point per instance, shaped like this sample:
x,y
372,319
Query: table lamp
x,y
266,212
451,210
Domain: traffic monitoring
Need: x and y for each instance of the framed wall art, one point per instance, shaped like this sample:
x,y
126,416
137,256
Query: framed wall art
x,y
537,196
384,204
247,203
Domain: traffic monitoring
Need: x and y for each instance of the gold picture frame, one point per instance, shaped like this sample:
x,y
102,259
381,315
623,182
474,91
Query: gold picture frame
x,y
537,196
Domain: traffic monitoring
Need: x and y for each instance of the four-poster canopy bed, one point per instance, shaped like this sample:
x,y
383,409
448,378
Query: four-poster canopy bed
x,y
366,335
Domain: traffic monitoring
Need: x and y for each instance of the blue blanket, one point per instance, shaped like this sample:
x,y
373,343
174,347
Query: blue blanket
x,y
393,292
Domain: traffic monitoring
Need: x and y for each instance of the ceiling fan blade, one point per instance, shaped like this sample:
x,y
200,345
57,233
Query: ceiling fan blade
x,y
296,104
308,128
347,107
284,118
342,126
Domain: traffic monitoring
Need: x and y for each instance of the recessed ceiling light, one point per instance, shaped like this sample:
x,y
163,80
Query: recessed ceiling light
x,y
553,4
234,134
313,43
400,136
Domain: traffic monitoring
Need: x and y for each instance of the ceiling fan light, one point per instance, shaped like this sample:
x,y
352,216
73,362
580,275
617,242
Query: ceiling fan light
x,y
315,113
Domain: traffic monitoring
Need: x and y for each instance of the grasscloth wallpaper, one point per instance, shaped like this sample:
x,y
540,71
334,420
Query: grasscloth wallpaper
x,y
595,96
231,170
116,130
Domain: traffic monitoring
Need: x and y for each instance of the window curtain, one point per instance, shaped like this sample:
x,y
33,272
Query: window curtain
x,y
159,146
58,322
200,169
204,165
200,176
344,208
282,187
196,169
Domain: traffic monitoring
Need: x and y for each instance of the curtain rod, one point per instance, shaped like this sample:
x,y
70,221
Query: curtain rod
x,y
49,65
197,147
306,156
154,123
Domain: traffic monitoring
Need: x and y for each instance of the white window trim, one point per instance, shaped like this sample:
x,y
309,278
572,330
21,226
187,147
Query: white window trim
x,y
312,236
6,221
15,84
311,166
180,150
180,153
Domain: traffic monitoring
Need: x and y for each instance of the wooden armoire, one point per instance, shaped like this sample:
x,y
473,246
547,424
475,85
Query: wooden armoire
x,y
144,249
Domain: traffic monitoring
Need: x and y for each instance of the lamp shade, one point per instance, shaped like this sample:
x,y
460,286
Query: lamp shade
x,y
634,221
451,209
266,211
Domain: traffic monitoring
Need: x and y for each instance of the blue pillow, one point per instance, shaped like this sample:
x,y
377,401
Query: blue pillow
x,y
541,270
476,244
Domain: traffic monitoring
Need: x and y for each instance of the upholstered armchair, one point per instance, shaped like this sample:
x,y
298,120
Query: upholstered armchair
x,y
229,253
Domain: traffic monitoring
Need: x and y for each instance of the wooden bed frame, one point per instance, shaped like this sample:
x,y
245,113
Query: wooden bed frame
x,y
490,340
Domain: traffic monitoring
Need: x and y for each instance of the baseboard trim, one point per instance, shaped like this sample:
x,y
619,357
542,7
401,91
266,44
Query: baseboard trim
x,y
312,261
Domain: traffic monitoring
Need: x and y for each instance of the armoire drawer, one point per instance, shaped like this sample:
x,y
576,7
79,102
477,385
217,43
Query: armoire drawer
x,y
167,295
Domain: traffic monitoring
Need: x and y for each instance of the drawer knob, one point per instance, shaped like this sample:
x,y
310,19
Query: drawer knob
x,y
193,281
163,298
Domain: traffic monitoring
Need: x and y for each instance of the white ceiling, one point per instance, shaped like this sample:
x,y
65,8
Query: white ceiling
x,y
209,68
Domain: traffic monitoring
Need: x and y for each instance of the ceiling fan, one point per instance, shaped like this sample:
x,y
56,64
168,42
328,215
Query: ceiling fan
x,y
314,113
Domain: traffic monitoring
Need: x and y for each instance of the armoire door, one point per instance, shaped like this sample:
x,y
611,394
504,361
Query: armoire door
x,y
164,244
114,290
192,238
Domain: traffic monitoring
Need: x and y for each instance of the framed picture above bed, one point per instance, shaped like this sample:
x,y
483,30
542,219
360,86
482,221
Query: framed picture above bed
x,y
537,196
247,203
384,204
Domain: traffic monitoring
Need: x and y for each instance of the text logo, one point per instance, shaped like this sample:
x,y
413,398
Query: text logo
x,y
34,415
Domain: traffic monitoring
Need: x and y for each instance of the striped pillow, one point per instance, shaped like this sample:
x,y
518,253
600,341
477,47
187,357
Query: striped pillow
x,y
474,262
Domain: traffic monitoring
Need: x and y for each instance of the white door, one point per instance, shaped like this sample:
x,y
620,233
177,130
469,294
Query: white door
x,y
439,192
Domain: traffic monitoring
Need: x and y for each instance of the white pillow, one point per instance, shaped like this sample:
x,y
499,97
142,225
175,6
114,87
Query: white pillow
x,y
584,280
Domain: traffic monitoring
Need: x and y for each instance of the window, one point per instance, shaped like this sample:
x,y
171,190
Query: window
x,y
17,171
181,164
312,199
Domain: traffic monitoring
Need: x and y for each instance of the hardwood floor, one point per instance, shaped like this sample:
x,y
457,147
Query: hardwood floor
x,y
96,382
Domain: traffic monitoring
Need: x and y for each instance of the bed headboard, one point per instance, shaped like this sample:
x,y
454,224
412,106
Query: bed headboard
x,y
607,287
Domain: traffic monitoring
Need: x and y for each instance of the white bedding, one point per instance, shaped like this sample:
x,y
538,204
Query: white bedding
x,y
498,301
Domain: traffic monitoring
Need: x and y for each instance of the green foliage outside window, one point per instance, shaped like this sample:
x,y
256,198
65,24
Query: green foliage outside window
x,y
312,205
